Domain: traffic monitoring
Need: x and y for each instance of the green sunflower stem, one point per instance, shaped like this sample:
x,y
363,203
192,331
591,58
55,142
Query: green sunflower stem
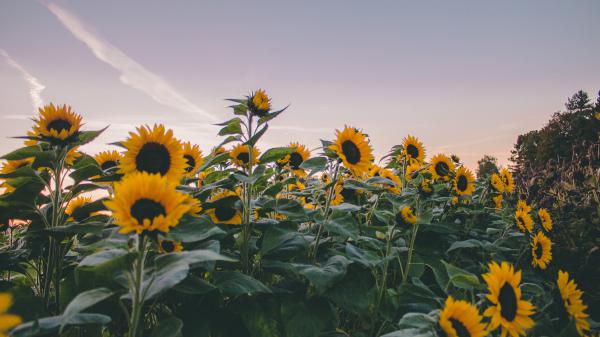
x,y
385,267
138,280
247,225
411,246
313,255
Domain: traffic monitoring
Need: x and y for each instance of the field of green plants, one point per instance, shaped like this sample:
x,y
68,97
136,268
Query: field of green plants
x,y
165,238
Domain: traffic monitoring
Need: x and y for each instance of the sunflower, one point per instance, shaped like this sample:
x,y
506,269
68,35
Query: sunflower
x,y
541,251
354,150
259,103
508,310
217,150
377,171
239,155
57,123
498,198
223,210
571,297
11,166
145,202
154,151
193,158
411,171
524,221
545,219
497,183
461,319
7,321
406,216
425,187
169,246
441,167
412,150
108,159
522,206
296,158
507,180
74,211
72,155
325,178
463,181
338,196
454,201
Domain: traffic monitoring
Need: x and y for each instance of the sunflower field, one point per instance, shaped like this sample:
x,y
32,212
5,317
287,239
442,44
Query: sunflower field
x,y
165,238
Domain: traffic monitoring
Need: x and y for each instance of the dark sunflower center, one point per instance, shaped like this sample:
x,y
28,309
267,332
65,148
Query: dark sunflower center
x,y
167,246
224,213
153,158
108,164
58,125
351,152
459,327
191,162
412,151
295,160
79,214
244,157
348,194
442,169
508,302
538,251
462,183
146,209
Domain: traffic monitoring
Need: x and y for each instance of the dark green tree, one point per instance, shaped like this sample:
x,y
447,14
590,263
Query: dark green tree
x,y
579,101
486,165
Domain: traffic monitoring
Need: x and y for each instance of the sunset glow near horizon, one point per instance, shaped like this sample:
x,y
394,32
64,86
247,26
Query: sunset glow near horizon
x,y
465,77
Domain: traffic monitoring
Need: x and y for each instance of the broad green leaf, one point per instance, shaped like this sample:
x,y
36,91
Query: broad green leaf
x,y
315,164
168,327
23,153
342,223
326,276
234,283
275,154
83,301
461,278
194,229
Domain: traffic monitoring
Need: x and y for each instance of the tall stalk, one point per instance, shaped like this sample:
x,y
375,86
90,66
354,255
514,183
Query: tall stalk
x,y
136,284
247,212
411,246
313,254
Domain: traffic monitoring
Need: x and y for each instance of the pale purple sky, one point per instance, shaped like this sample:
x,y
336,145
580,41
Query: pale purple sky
x,y
466,77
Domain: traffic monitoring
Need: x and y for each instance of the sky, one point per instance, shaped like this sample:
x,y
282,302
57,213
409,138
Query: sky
x,y
465,77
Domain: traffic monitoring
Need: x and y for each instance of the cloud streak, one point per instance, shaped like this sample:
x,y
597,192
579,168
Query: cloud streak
x,y
132,74
35,86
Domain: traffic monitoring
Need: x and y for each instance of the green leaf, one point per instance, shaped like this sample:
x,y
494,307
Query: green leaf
x,y
260,318
356,292
288,207
214,160
417,321
306,318
168,327
270,116
83,301
85,137
102,257
252,141
324,277
234,283
231,127
85,172
470,243
410,333
194,229
364,257
279,240
49,325
275,154
342,223
461,278
23,153
315,164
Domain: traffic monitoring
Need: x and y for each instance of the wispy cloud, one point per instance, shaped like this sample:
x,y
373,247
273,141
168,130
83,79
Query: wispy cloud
x,y
133,74
35,87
